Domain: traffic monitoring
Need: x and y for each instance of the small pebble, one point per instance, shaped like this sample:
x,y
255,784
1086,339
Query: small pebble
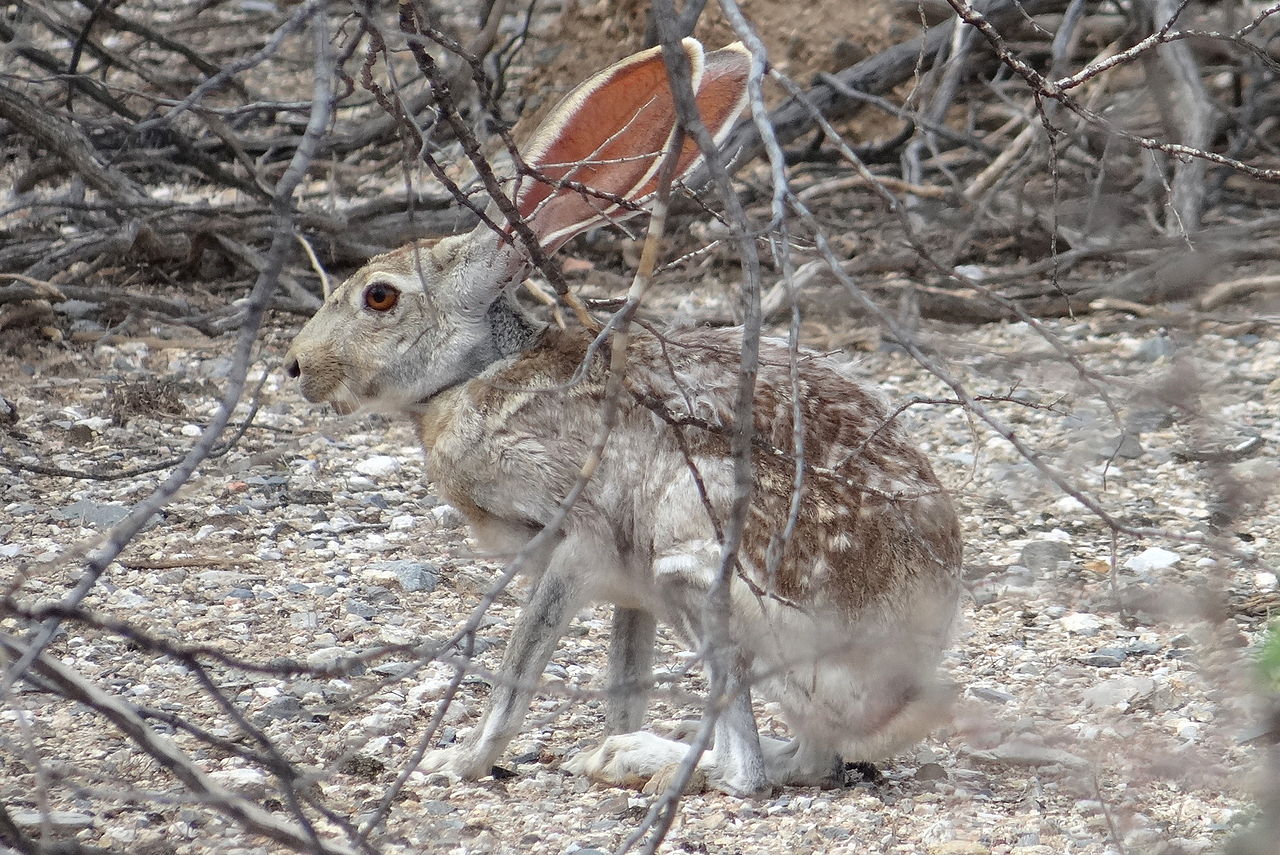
x,y
378,466
1080,623
1152,558
1042,555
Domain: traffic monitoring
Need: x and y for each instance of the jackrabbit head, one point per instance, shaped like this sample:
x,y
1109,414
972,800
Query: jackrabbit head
x,y
429,315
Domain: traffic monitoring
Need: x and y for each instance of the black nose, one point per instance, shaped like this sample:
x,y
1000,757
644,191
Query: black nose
x,y
292,369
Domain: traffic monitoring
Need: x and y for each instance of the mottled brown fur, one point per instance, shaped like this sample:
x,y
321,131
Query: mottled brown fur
x,y
862,483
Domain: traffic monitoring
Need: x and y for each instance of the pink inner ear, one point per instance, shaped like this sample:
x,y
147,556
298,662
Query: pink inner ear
x,y
720,99
610,143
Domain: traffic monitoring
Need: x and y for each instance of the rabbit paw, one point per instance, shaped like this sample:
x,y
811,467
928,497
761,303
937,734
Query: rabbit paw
x,y
627,759
456,764
665,778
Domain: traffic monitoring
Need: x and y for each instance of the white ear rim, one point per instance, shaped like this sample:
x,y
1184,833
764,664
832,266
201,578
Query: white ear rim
x,y
722,133
552,130
548,132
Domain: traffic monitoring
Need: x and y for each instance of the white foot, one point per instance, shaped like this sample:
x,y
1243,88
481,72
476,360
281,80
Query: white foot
x,y
456,764
642,760
628,759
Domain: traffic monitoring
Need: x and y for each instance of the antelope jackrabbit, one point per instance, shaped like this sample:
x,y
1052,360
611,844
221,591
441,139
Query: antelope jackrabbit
x,y
841,620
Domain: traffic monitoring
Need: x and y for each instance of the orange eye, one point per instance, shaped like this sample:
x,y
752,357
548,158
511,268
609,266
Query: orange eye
x,y
381,297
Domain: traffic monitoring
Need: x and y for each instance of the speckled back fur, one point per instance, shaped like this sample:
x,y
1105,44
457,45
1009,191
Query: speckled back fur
x,y
873,521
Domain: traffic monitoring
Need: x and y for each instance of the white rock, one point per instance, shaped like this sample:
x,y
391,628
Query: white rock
x,y
1081,623
1068,504
1265,581
1152,558
378,466
191,430
326,656
239,778
1121,691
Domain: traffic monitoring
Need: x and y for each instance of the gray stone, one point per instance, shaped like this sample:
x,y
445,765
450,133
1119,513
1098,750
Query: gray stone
x,y
1154,349
1102,660
413,576
448,517
64,819
308,496
1141,648
995,696
215,368
1044,554
359,609
614,806
1126,447
99,515
285,707
931,772
1018,753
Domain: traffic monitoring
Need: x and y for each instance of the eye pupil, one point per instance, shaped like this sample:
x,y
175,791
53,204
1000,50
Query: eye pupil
x,y
381,297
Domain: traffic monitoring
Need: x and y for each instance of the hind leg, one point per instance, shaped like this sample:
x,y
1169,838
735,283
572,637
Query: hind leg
x,y
802,763
630,669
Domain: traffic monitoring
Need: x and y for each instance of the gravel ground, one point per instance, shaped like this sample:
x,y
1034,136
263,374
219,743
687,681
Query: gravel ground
x,y
1107,687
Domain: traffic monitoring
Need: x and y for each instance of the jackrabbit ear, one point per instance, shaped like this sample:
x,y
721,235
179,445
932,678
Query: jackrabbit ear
x,y
721,95
610,133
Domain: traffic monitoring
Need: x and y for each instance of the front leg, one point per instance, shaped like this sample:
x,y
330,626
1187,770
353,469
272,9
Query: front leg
x,y
630,669
737,764
555,599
